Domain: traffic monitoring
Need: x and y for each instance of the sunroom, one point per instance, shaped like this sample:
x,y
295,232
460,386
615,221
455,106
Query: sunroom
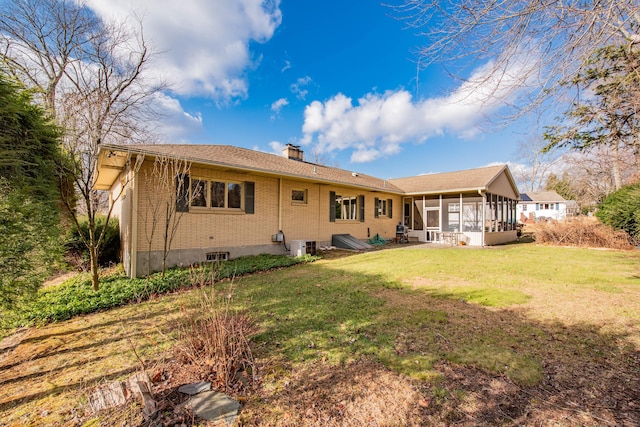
x,y
473,207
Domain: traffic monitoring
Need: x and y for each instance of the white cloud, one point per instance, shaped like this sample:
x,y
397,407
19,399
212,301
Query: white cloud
x,y
300,87
378,124
277,106
204,45
175,124
277,147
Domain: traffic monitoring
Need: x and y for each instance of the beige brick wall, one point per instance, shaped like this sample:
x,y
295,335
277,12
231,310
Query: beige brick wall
x,y
274,210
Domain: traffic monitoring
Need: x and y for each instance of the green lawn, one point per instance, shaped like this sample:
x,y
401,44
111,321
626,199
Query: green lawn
x,y
524,314
412,307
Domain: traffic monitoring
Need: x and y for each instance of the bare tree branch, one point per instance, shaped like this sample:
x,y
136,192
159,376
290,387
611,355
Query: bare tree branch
x,y
92,76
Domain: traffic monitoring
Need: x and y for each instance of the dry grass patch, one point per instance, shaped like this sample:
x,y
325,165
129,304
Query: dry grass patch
x,y
583,232
45,376
363,393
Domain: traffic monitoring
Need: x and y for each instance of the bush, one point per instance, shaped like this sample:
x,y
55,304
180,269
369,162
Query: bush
x,y
587,232
109,251
30,247
214,338
621,210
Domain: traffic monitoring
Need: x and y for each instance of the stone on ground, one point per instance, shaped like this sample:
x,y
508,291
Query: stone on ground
x,y
214,406
195,388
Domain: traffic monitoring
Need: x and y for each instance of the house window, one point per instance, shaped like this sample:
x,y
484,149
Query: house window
x,y
524,207
299,196
234,195
217,256
382,207
346,207
198,193
216,194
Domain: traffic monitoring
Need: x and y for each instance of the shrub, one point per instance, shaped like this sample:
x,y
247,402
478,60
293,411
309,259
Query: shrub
x,y
587,232
214,338
109,250
621,210
30,247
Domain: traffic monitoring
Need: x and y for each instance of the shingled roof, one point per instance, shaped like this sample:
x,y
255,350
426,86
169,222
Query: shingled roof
x,y
227,156
449,182
542,196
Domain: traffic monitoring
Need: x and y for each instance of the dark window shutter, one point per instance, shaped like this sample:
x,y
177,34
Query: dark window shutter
x,y
332,206
376,202
182,193
249,197
361,203
390,208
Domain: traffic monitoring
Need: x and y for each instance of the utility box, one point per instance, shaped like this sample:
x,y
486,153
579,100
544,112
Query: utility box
x,y
303,247
278,237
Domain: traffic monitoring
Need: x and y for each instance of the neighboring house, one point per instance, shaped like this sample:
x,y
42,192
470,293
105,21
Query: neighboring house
x,y
233,201
544,205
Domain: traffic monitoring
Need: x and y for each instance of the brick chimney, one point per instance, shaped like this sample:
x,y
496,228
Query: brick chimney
x,y
292,152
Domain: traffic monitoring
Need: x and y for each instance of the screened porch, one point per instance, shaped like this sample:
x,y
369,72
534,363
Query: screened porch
x,y
461,219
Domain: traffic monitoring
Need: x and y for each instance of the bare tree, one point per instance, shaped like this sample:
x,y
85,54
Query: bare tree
x,y
554,38
591,176
167,178
93,77
41,38
535,164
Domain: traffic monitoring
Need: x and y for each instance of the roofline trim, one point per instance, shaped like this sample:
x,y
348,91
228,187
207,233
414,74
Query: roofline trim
x,y
455,190
124,148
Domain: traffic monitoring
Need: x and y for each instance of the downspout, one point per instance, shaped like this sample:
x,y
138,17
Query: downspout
x,y
484,208
134,226
279,204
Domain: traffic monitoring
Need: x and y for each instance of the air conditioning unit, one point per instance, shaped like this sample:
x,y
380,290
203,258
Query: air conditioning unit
x,y
303,247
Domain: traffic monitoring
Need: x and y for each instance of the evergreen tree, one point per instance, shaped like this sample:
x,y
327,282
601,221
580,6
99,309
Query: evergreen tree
x,y
29,195
606,109
561,185
621,210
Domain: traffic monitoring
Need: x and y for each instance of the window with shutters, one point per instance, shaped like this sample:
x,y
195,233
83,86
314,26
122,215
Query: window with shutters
x,y
346,207
211,194
382,207
215,194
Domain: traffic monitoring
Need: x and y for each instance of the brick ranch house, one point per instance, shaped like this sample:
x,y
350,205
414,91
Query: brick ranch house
x,y
232,201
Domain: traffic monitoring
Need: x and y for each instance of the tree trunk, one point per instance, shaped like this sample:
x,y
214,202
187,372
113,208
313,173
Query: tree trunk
x,y
93,257
615,168
165,249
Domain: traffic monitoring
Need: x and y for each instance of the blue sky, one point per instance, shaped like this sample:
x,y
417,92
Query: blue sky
x,y
338,77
